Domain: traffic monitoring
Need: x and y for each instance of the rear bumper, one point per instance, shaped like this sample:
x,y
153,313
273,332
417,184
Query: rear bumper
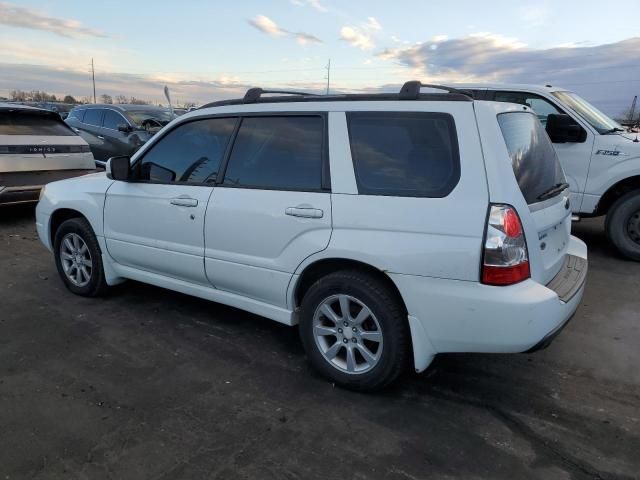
x,y
24,187
462,316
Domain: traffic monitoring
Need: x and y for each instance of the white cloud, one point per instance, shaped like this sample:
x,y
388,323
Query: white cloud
x,y
535,15
373,24
268,26
313,3
355,37
15,16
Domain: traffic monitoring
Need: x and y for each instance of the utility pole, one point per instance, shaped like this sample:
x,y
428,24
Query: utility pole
x,y
328,67
93,77
632,112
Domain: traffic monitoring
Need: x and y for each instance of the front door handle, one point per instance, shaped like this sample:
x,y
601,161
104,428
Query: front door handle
x,y
184,201
100,137
304,212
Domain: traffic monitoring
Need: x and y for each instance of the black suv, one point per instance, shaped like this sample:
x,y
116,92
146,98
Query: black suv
x,y
112,130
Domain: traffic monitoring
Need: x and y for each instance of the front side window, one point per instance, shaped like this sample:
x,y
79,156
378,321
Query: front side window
x,y
112,119
278,153
77,114
190,153
541,107
591,114
404,153
533,158
93,116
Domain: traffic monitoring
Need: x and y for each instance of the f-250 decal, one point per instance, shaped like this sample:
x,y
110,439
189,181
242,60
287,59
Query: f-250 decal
x,y
613,153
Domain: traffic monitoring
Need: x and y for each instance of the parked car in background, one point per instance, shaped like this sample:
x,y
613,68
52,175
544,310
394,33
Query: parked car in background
x,y
600,157
391,227
37,147
112,130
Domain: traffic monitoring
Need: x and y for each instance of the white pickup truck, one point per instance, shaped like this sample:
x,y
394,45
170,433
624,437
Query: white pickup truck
x,y
601,159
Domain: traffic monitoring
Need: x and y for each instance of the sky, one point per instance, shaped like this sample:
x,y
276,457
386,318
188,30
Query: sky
x,y
210,50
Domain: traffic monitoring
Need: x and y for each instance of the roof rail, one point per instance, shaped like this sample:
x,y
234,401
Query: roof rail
x,y
254,94
411,90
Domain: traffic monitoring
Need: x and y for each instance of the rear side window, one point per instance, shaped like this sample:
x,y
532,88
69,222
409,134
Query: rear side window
x,y
405,154
22,123
278,153
190,153
93,116
535,163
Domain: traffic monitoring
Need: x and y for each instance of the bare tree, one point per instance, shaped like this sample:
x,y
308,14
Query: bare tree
x,y
69,99
121,99
106,98
137,101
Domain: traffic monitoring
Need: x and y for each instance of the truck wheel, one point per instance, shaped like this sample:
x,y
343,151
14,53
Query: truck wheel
x,y
354,330
623,225
78,258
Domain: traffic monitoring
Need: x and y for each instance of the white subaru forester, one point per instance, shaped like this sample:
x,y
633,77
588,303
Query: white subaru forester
x,y
390,227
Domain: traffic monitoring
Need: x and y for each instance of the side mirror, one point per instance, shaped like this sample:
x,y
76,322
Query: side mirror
x,y
119,168
562,128
123,127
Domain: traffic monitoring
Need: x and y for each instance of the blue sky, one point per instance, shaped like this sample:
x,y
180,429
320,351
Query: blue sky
x,y
213,49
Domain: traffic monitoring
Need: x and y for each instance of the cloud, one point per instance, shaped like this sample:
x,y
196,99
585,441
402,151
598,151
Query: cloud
x,y
607,74
15,16
313,3
356,38
535,15
268,26
361,36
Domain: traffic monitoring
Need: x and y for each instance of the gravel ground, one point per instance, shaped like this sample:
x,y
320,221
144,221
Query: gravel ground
x,y
151,384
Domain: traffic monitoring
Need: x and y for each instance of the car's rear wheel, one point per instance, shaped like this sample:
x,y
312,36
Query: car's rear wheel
x,y
623,225
78,258
354,330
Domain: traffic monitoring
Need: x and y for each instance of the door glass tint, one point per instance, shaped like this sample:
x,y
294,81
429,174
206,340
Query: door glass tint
x,y
25,123
539,105
278,152
93,116
533,158
112,120
77,114
404,154
190,153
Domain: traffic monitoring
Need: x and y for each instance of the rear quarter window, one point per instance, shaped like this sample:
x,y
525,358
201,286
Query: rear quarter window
x,y
533,158
27,123
409,154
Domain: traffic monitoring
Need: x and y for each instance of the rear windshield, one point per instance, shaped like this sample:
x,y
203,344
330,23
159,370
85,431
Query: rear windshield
x,y
533,158
22,123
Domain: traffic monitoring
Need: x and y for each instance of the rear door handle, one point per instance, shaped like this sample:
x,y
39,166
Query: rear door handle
x,y
100,137
184,202
304,212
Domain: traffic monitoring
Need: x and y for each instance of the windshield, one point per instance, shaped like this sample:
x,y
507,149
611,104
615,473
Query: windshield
x,y
28,123
151,120
591,114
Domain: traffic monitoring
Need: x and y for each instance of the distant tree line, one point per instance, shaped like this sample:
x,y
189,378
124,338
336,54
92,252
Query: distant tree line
x,y
42,96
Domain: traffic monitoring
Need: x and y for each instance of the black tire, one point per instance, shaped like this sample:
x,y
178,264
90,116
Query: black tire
x,y
623,225
387,309
97,284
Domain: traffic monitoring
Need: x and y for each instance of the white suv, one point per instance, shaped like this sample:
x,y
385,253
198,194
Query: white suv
x,y
390,227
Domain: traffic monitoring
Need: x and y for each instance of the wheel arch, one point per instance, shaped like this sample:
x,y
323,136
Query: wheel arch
x,y
322,267
61,215
616,191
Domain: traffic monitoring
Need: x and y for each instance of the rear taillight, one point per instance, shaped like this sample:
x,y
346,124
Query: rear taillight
x,y
505,260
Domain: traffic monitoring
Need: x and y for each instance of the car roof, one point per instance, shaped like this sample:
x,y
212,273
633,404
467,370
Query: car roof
x,y
510,86
18,106
124,107
409,91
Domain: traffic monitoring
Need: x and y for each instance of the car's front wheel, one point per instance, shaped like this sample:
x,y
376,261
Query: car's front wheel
x,y
623,225
78,258
354,330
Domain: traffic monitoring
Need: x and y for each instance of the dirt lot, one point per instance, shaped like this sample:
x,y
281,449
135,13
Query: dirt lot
x,y
153,384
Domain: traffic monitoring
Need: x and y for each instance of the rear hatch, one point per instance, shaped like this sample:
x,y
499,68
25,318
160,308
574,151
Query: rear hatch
x,y
544,188
38,140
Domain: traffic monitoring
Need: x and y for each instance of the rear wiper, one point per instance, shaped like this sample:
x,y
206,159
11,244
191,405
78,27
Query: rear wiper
x,y
552,191
613,130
